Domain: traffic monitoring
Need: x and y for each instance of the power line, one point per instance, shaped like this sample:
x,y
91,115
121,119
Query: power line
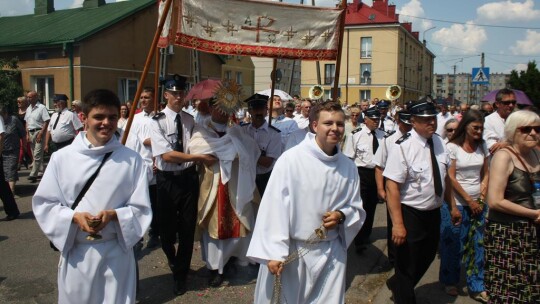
x,y
476,24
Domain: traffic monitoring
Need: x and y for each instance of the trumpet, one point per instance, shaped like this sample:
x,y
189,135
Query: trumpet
x,y
393,92
316,92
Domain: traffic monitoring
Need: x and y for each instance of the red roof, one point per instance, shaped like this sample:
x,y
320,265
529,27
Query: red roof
x,y
381,12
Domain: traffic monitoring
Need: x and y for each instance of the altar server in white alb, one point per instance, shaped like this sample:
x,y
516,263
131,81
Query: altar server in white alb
x,y
100,270
293,209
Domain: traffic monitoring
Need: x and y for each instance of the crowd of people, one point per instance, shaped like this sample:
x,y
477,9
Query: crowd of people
x,y
458,181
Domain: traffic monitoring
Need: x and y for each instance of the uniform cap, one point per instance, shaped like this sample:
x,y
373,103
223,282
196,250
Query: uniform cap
x,y
372,112
257,101
383,104
177,83
423,108
58,97
404,116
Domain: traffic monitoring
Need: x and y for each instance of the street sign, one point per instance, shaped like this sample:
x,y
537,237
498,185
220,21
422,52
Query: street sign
x,y
480,75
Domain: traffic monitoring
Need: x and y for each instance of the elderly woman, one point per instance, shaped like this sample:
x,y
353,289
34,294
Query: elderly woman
x,y
511,236
351,123
469,175
450,127
13,136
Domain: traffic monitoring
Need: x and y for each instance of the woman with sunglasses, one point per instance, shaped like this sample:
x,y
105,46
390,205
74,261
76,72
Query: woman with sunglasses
x,y
511,236
469,173
449,129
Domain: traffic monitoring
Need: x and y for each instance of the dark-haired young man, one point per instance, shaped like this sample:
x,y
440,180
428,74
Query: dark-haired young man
x,y
95,269
293,209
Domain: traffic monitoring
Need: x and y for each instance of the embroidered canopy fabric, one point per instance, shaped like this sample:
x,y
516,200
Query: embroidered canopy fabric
x,y
259,28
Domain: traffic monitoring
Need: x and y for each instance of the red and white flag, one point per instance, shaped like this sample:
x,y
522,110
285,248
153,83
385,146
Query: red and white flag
x,y
166,33
259,28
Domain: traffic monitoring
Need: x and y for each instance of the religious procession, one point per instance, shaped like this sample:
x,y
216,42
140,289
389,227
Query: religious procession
x,y
195,191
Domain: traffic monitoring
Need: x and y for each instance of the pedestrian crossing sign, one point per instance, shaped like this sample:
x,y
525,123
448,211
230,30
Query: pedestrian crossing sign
x,y
480,75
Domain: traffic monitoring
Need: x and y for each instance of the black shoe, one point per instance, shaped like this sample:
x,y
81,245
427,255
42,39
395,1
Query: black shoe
x,y
138,246
32,179
216,279
179,287
389,285
11,217
153,242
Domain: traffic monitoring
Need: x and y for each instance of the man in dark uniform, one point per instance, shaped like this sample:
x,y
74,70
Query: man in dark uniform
x,y
387,123
416,179
177,180
267,137
361,147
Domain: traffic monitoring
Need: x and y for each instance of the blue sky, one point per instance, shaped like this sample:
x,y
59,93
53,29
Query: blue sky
x,y
459,42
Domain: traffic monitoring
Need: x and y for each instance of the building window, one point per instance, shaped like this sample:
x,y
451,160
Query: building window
x,y
44,86
239,77
365,73
41,56
365,94
228,75
329,73
365,47
127,89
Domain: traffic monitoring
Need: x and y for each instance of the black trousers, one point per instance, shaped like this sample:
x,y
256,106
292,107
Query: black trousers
x,y
8,200
414,257
177,205
154,226
63,144
261,180
368,193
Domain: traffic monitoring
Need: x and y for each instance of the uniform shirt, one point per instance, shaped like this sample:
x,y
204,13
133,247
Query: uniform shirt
x,y
302,121
409,164
66,128
163,137
139,132
359,146
268,139
36,116
388,142
286,125
389,124
493,129
441,121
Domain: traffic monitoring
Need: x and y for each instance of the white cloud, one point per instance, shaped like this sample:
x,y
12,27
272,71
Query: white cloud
x,y
76,3
414,8
508,11
529,46
519,67
459,38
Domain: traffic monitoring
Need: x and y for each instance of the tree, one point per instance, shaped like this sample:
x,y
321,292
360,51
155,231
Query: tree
x,y
527,81
10,84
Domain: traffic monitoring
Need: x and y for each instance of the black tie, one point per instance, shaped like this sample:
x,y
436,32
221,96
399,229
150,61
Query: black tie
x,y
382,124
375,142
179,146
435,166
57,119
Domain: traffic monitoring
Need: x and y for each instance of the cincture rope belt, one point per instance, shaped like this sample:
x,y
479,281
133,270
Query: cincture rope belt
x,y
318,235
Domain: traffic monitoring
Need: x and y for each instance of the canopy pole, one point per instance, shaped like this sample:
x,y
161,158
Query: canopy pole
x,y
340,45
156,81
151,53
273,78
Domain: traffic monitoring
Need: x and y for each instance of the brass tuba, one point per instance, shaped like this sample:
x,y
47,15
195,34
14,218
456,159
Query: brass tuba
x,y
393,92
316,92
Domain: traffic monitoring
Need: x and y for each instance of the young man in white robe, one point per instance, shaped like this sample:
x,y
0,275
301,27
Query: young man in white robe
x,y
226,211
293,209
100,270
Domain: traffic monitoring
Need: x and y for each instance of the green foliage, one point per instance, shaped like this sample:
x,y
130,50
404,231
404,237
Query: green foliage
x,y
10,82
527,81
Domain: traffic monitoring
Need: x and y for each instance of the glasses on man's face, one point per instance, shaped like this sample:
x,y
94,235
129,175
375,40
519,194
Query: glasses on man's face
x,y
449,130
289,110
509,102
528,129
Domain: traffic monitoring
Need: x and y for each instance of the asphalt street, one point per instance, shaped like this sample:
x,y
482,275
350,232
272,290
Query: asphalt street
x,y
28,268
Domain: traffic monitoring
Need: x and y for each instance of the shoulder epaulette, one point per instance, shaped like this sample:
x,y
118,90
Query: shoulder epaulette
x,y
243,123
390,133
356,130
158,115
403,138
275,129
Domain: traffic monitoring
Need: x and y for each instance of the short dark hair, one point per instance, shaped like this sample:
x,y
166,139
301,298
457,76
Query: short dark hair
x,y
328,106
100,98
149,90
289,105
503,92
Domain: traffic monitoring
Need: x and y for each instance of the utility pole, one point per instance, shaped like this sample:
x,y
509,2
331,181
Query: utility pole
x,y
454,86
481,86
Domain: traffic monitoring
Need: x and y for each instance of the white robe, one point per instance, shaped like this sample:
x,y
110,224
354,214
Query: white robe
x,y
101,271
293,208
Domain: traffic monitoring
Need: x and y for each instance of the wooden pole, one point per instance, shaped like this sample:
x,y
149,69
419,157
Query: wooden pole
x,y
156,81
340,45
273,77
151,53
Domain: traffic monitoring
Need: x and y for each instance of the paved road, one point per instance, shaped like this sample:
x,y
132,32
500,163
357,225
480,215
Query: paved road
x,y
28,272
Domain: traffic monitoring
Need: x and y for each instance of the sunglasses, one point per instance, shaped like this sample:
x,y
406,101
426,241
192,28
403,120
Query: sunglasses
x,y
528,129
289,111
508,102
450,130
